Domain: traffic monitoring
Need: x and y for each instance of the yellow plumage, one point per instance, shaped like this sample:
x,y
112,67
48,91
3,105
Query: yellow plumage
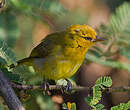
x,y
61,54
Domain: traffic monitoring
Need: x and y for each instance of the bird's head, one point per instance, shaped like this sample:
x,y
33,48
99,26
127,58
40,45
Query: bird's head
x,y
84,35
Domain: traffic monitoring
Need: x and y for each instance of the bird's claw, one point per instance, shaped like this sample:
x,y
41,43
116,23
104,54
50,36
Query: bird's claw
x,y
68,87
45,87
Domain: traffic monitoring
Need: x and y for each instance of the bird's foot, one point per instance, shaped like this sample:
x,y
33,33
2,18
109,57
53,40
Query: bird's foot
x,y
68,87
45,87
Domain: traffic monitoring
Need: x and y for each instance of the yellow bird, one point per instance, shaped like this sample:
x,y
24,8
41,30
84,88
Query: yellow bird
x,y
60,54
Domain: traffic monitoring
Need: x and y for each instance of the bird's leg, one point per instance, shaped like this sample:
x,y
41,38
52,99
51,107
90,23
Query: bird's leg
x,y
69,85
45,87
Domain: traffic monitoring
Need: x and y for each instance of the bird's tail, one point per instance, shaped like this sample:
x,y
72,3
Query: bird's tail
x,y
26,61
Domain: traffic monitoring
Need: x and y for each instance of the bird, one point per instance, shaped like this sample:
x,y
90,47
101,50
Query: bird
x,y
59,55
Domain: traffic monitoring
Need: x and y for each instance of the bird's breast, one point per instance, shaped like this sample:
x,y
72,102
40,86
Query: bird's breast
x,y
60,65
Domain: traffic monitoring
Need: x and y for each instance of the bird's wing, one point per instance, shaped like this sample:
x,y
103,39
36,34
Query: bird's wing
x,y
47,46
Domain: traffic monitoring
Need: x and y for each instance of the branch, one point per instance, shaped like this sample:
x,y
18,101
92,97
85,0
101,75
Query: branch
x,y
8,94
75,88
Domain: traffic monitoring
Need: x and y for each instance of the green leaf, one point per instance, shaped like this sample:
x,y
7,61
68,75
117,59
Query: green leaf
x,y
89,99
7,54
120,27
73,106
120,21
101,83
105,81
122,106
99,107
64,106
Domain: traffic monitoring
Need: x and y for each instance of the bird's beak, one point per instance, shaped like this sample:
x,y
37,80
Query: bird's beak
x,y
98,39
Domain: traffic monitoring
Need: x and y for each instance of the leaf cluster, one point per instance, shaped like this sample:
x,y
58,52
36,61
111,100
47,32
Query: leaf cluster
x,y
117,41
122,106
101,84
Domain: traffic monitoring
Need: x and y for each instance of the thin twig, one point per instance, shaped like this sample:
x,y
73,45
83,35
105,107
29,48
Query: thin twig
x,y
75,88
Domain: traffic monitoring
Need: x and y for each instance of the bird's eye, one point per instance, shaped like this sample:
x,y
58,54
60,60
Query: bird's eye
x,y
88,38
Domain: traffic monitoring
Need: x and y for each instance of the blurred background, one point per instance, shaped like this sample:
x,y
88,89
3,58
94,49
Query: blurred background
x,y
24,23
